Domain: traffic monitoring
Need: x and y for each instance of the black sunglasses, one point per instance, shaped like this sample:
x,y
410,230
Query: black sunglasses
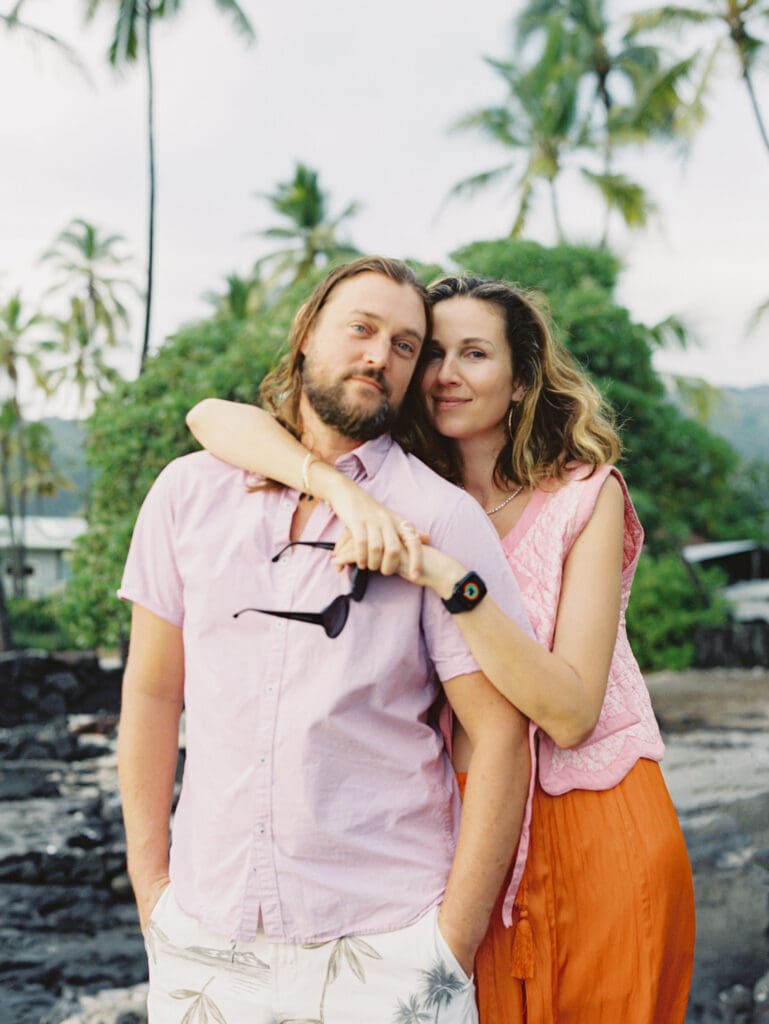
x,y
334,616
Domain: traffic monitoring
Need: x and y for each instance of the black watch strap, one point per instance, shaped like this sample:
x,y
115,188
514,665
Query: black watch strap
x,y
468,593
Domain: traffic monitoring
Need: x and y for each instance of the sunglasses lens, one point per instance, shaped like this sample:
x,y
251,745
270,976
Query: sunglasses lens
x,y
359,582
335,616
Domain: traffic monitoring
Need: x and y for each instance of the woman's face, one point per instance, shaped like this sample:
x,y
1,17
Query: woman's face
x,y
468,382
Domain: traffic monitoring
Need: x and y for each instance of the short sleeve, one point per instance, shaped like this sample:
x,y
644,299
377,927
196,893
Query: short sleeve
x,y
151,575
468,536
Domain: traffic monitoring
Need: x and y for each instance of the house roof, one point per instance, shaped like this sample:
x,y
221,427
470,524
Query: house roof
x,y
718,549
45,533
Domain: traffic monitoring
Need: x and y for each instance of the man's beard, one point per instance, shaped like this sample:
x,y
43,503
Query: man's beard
x,y
335,410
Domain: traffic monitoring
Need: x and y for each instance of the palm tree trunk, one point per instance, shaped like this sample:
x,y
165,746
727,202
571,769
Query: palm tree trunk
x,y
15,549
151,146
556,212
6,637
608,153
20,574
756,109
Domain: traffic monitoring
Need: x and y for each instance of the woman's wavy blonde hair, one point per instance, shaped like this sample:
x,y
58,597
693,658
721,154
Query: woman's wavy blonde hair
x,y
561,418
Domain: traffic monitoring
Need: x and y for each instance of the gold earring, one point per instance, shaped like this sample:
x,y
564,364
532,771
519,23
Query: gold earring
x,y
510,420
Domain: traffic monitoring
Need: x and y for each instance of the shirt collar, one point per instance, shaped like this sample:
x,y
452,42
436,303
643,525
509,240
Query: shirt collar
x,y
365,461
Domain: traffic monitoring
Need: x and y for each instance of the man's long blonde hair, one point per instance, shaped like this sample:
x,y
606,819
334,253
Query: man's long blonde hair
x,y
281,389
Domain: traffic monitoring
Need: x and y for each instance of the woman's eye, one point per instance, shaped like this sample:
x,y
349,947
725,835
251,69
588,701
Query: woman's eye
x,y
358,328
476,353
434,353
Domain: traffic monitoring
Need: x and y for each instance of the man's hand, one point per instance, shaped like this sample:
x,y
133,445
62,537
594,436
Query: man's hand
x,y
147,896
457,942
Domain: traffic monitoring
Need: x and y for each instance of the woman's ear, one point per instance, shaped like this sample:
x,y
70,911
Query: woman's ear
x,y
518,394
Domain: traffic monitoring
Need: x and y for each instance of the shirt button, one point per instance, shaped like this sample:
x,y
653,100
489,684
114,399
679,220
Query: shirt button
x,y
269,689
262,759
260,830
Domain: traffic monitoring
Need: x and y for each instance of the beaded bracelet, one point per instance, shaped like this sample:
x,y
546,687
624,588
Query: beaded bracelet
x,y
308,461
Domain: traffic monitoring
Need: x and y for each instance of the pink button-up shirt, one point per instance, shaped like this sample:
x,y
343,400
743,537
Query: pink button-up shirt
x,y
317,795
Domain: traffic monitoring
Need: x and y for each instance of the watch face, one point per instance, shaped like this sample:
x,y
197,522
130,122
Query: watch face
x,y
468,592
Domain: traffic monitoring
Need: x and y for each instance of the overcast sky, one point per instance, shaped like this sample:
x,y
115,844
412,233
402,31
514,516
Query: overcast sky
x,y
363,92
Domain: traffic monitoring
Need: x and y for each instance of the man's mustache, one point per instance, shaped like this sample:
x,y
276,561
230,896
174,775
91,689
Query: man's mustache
x,y
375,375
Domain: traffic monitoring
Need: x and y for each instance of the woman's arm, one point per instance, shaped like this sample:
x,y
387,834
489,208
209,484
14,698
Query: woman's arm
x,y
562,690
251,438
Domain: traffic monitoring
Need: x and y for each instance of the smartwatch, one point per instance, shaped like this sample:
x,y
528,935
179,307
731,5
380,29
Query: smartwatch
x,y
468,593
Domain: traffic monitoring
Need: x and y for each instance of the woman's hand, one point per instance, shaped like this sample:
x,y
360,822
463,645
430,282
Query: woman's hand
x,y
374,537
434,569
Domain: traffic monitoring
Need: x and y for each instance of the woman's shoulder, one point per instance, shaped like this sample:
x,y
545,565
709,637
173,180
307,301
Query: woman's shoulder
x,y
578,477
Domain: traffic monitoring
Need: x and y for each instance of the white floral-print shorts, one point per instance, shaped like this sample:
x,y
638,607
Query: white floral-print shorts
x,y
407,976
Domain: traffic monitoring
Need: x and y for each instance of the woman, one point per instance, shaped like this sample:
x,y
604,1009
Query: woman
x,y
604,916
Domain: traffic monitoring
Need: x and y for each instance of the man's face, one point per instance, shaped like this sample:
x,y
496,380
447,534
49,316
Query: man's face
x,y
361,352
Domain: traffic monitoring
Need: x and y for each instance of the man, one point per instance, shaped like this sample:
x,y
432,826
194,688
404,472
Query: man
x,y
315,869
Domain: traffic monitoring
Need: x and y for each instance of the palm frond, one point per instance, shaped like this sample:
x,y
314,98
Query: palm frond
x,y
674,333
628,198
668,16
240,19
756,317
471,185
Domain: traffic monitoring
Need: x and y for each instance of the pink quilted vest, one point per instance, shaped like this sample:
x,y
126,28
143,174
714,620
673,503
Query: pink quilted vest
x,y
536,549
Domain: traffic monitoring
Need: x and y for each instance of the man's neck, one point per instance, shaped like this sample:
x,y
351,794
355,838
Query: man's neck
x,y
323,441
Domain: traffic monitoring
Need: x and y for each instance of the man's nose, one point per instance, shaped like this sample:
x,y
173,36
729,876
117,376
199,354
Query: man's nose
x,y
377,351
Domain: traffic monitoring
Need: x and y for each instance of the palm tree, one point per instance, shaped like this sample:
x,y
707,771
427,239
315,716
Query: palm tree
x,y
540,116
242,299
132,35
18,356
739,19
562,101
440,986
97,316
13,22
627,92
411,1012
310,231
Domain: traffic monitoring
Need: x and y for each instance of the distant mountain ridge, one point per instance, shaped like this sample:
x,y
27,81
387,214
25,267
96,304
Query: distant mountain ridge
x,y
742,418
69,460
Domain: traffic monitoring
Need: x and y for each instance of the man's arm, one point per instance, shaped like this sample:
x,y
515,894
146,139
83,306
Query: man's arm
x,y
492,812
148,745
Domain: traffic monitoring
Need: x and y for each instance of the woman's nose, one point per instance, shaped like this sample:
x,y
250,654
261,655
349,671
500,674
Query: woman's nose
x,y
447,372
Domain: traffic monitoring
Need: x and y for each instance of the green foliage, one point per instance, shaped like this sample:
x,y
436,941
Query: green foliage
x,y
35,623
684,479
311,233
531,265
666,607
140,426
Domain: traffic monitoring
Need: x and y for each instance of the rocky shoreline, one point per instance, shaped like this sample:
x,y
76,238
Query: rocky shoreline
x,y
72,953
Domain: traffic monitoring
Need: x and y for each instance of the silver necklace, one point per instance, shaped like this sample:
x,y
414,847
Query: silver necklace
x,y
501,505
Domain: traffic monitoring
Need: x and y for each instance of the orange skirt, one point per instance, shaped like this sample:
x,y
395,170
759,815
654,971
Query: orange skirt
x,y
608,894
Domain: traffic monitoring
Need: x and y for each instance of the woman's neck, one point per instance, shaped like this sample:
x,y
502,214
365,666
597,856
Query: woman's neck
x,y
479,457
